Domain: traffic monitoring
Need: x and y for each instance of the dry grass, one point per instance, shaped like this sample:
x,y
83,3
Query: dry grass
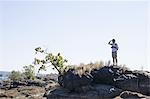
x,y
84,68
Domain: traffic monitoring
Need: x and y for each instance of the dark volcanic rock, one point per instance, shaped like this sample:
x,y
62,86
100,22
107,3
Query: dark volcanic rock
x,y
36,83
107,74
97,92
123,78
127,82
102,76
143,82
15,84
71,81
48,77
61,93
5,84
107,91
137,81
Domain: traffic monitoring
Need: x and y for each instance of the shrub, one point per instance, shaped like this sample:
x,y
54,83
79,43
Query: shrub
x,y
29,72
15,75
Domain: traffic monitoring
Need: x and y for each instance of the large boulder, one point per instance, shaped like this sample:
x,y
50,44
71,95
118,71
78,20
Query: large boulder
x,y
98,91
62,93
107,74
106,91
123,78
143,81
138,81
127,82
71,80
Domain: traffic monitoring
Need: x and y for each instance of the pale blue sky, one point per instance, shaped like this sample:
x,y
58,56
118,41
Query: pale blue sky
x,y
80,30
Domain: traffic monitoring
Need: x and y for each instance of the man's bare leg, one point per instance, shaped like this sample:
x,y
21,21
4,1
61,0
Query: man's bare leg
x,y
116,61
113,61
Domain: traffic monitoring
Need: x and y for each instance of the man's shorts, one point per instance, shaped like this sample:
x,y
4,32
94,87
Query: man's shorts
x,y
114,54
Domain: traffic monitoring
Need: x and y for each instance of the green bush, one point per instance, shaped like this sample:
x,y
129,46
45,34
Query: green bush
x,y
29,72
15,75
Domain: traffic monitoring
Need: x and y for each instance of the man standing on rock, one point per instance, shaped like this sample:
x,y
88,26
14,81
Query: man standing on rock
x,y
114,47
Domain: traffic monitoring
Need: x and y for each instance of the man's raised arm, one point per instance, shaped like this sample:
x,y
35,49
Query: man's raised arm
x,y
110,42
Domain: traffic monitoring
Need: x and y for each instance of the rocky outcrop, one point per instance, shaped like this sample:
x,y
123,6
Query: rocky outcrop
x,y
106,91
106,82
123,78
5,84
31,91
36,83
71,80
107,74
143,81
100,82
97,91
25,89
137,81
23,92
9,94
14,84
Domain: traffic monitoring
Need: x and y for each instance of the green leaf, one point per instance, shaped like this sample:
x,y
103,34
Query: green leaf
x,y
38,49
60,57
43,61
58,54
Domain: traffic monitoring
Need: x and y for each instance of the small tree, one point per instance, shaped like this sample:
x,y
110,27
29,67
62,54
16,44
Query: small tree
x,y
15,75
50,60
29,72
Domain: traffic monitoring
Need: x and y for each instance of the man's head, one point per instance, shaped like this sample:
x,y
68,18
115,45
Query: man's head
x,y
113,40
